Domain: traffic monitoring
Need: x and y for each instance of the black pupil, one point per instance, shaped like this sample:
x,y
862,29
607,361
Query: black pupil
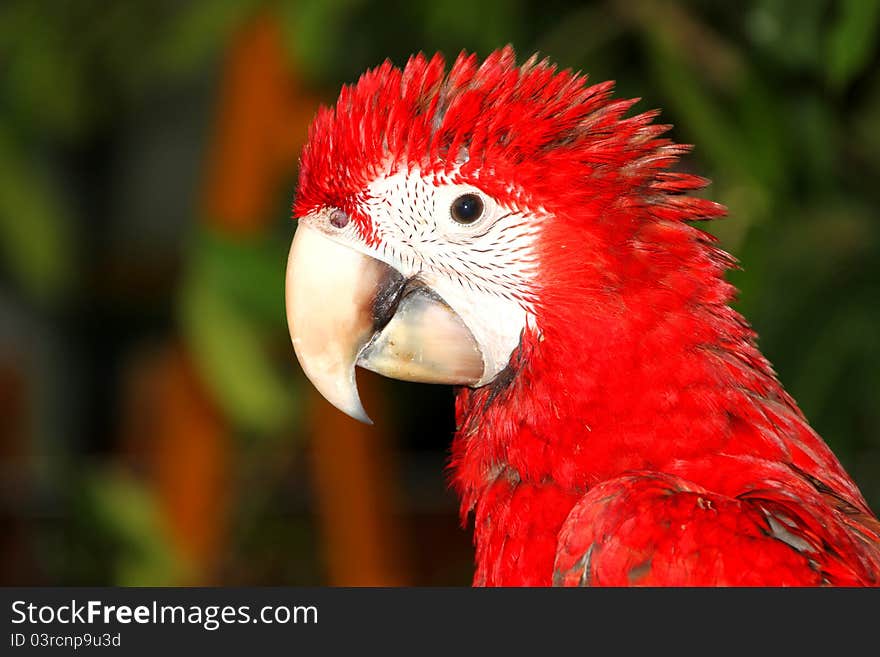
x,y
467,208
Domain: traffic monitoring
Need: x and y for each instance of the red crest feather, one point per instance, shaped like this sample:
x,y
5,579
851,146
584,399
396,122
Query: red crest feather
x,y
526,134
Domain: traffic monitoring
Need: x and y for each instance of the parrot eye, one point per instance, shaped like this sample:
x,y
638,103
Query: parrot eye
x,y
338,218
467,208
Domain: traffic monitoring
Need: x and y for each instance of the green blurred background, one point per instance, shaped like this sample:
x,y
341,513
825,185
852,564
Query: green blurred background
x,y
155,428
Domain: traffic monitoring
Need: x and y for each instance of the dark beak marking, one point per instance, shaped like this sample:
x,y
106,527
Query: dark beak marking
x,y
388,295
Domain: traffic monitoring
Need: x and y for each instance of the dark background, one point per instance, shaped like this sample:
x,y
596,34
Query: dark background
x,y
154,426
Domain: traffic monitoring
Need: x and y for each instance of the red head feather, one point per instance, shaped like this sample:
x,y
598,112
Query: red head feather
x,y
530,135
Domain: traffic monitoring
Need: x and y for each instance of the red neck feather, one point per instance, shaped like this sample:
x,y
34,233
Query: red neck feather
x,y
637,362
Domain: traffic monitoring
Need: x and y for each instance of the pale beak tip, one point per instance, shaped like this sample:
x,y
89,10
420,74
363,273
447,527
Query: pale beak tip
x,y
345,397
338,389
358,414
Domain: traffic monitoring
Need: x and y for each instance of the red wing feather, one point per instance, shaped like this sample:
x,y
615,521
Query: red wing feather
x,y
653,529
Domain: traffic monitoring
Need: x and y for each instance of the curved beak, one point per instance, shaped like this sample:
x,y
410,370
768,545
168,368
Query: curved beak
x,y
345,308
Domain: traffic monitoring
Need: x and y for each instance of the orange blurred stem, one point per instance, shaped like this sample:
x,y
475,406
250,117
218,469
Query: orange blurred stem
x,y
353,471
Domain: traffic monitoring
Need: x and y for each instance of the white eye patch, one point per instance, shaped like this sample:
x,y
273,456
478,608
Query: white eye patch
x,y
415,219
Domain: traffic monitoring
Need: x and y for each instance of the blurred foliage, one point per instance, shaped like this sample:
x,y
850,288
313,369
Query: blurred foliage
x,y
118,537
229,299
33,226
780,97
125,531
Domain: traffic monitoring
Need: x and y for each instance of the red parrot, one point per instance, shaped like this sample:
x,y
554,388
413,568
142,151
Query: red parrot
x,y
510,230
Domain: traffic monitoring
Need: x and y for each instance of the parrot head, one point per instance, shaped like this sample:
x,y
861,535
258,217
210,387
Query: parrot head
x,y
447,219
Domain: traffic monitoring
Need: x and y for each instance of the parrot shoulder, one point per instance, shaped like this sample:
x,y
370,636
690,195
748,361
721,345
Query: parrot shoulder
x,y
659,529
